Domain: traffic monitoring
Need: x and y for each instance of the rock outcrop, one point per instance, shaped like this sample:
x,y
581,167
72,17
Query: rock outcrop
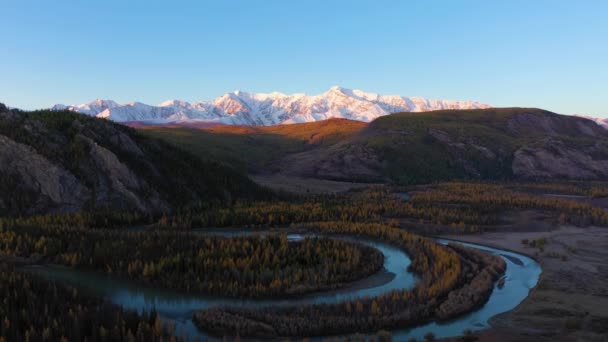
x,y
555,159
51,187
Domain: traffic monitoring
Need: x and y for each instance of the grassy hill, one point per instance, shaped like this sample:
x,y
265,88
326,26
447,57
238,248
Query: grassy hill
x,y
253,149
485,143
412,148
66,162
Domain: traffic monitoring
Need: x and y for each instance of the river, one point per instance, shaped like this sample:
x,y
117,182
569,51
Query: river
x,y
521,275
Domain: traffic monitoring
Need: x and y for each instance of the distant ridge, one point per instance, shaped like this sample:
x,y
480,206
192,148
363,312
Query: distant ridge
x,y
258,109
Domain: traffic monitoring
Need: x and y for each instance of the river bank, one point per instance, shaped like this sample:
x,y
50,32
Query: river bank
x,y
571,301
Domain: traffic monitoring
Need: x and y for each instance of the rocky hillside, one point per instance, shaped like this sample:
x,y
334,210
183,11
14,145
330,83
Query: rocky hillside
x,y
61,161
486,144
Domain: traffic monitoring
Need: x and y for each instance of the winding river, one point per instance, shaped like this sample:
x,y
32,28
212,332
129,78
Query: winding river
x,y
521,275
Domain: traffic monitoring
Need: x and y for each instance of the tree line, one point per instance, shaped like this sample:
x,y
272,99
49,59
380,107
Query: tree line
x,y
591,189
456,204
459,205
492,198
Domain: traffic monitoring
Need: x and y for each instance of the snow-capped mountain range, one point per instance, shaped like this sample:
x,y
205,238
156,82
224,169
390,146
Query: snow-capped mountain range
x,y
259,109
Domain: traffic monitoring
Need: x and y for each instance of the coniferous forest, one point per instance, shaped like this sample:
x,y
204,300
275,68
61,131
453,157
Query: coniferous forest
x,y
36,310
263,266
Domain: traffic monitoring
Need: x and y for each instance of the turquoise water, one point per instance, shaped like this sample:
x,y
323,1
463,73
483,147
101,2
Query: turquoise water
x,y
521,275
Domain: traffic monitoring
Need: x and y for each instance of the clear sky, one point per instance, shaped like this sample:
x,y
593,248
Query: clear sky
x,y
548,54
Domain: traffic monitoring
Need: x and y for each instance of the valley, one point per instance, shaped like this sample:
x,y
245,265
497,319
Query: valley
x,y
383,171
335,230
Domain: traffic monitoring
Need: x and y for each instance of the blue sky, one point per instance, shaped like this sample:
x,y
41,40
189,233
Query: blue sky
x,y
548,54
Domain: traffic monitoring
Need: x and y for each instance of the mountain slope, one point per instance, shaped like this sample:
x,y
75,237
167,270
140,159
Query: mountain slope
x,y
407,148
254,149
600,121
487,144
66,162
241,108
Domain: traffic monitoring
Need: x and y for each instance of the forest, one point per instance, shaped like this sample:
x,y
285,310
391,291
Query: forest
x,y
463,206
257,266
167,250
37,310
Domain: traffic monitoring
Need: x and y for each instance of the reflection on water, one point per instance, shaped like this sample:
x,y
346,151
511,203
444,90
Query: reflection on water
x,y
522,274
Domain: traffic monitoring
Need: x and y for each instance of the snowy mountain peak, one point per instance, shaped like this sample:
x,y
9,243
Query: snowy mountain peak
x,y
92,108
338,90
175,103
244,108
107,103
